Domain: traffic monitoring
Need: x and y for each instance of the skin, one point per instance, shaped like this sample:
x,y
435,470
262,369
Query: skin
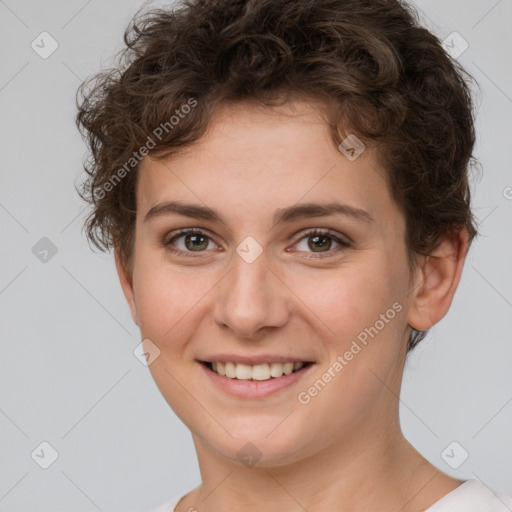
x,y
344,450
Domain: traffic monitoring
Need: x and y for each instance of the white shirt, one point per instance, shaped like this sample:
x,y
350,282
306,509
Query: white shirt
x,y
471,496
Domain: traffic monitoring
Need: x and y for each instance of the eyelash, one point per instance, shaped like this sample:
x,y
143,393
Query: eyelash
x,y
313,232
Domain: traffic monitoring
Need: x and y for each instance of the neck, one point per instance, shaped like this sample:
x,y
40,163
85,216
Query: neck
x,y
379,471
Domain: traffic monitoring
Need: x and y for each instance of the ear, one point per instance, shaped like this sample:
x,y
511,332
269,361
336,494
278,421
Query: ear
x,y
126,280
438,278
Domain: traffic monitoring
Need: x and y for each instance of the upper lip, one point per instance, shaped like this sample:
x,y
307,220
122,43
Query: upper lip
x,y
253,360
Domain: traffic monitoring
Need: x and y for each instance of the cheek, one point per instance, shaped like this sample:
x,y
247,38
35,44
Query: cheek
x,y
346,300
363,312
167,299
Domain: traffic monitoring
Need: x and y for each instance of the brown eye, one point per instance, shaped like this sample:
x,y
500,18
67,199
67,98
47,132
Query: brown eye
x,y
187,241
196,242
321,241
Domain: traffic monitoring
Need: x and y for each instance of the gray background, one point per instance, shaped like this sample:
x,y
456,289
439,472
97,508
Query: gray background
x,y
68,375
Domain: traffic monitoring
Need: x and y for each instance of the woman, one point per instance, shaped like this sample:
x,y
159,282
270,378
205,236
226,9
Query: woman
x,y
285,186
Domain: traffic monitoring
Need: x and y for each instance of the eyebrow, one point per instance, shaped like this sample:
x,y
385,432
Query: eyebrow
x,y
281,216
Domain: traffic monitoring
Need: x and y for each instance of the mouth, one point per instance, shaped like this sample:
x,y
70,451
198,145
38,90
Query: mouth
x,y
258,372
257,381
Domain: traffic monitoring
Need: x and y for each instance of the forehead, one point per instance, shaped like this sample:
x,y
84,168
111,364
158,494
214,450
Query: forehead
x,y
253,160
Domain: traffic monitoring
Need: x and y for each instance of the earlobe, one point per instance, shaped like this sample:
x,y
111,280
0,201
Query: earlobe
x,y
438,279
126,280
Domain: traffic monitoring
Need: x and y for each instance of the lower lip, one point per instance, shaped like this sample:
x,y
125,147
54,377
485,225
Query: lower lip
x,y
255,388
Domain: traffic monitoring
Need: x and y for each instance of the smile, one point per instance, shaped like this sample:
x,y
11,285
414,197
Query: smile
x,y
254,381
259,372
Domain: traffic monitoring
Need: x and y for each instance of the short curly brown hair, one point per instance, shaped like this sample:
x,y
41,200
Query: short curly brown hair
x,y
379,73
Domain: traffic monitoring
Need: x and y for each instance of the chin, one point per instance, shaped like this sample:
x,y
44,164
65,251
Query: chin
x,y
262,446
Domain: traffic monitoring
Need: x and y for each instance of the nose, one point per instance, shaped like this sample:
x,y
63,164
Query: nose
x,y
252,299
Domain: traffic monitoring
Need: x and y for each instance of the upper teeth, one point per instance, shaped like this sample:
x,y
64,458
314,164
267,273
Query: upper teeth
x,y
256,372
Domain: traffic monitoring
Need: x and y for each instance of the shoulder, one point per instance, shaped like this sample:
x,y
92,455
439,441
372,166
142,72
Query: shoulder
x,y
472,496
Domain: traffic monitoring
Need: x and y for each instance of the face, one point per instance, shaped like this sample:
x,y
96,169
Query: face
x,y
260,279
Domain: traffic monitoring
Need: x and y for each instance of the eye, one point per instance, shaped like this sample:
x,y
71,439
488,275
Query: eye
x,y
194,240
319,241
